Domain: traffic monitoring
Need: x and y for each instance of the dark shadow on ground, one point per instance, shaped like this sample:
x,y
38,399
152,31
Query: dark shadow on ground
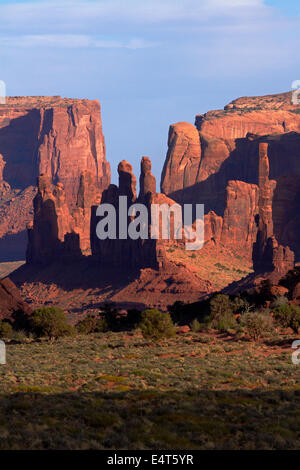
x,y
81,274
186,419
13,247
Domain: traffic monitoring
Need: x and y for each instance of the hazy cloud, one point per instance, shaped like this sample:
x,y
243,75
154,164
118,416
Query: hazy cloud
x,y
71,41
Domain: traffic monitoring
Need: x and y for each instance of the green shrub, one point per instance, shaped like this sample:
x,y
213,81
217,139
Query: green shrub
x,y
6,330
87,325
101,325
288,316
222,310
196,326
241,305
279,301
50,322
156,325
91,325
220,305
226,322
257,324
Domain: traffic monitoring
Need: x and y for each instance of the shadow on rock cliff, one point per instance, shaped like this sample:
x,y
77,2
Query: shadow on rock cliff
x,y
242,164
18,146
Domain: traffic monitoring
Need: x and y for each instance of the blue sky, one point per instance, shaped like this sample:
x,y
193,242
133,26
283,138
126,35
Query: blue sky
x,y
149,62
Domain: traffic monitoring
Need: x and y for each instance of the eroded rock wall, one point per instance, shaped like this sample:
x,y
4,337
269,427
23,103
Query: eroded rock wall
x,y
58,137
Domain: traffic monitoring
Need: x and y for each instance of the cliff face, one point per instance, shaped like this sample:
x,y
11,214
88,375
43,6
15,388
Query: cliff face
x,y
58,137
237,229
224,145
268,254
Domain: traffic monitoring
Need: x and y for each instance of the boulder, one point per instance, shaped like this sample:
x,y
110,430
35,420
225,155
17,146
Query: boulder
x,y
11,302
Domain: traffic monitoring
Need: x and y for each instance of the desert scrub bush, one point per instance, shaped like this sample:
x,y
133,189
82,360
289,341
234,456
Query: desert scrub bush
x,y
226,322
196,326
20,336
91,325
156,325
257,324
221,315
288,316
50,322
279,301
6,330
219,305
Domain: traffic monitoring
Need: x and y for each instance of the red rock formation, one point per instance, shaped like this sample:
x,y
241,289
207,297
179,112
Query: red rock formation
x,y
127,253
222,135
159,288
183,158
88,195
239,226
237,230
268,254
52,232
286,212
11,302
228,150
147,179
61,138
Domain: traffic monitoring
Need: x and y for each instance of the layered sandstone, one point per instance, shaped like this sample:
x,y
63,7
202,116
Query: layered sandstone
x,y
223,150
58,137
268,254
237,229
239,226
183,158
247,225
223,146
54,232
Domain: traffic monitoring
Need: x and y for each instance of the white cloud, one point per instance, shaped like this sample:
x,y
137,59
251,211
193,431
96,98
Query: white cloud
x,y
71,41
72,13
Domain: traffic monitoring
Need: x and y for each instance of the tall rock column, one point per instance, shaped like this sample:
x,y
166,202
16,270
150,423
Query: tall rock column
x,y
268,255
147,179
126,253
51,235
88,196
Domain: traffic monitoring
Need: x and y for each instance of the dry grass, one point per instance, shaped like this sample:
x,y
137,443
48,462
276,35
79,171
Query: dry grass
x,y
117,391
220,270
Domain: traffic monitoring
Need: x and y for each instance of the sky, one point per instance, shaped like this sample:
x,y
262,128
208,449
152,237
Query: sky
x,y
150,63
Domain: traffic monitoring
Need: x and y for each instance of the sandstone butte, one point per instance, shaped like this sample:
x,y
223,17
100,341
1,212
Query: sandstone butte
x,y
223,146
241,162
58,137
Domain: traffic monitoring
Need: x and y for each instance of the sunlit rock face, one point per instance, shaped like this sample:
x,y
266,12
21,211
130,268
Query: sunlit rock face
x,y
58,137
